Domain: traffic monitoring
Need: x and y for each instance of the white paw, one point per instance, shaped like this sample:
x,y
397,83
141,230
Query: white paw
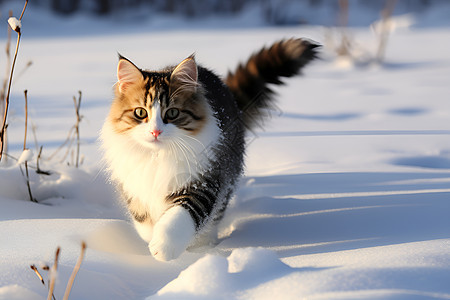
x,y
172,234
165,249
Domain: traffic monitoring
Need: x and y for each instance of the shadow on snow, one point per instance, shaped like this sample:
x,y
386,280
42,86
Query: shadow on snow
x,y
316,213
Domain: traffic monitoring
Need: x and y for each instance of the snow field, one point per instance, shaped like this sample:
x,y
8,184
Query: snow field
x,y
346,194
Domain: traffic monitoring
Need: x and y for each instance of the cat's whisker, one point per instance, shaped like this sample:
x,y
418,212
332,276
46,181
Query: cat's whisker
x,y
197,140
203,150
189,148
183,151
173,152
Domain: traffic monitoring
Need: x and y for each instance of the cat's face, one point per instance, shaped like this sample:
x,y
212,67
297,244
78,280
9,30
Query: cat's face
x,y
159,109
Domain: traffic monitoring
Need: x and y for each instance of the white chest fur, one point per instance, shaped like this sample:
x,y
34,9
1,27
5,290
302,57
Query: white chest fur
x,y
149,175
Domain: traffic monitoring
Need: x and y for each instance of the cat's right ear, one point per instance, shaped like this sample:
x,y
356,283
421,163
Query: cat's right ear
x,y
127,74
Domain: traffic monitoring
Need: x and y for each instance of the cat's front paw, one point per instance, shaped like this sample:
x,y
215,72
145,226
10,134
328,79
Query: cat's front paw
x,y
172,234
165,249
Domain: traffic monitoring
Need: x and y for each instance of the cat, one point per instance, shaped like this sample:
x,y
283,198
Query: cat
x,y
174,139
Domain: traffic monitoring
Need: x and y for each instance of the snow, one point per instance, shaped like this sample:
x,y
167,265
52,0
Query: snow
x,y
26,155
15,24
346,193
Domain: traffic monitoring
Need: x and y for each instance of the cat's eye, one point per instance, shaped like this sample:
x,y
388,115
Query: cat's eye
x,y
140,113
172,114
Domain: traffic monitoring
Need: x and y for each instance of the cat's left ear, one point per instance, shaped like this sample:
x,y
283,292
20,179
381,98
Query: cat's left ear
x,y
186,73
127,74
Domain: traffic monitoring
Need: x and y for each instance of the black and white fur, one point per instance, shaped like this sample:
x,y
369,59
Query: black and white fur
x,y
177,185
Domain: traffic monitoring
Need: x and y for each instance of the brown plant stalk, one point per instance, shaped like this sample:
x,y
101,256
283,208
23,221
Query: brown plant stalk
x,y
25,147
5,80
8,60
53,275
36,271
5,114
73,134
386,14
75,271
54,269
77,125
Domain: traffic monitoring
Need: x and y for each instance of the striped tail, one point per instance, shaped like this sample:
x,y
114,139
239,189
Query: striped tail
x,y
249,83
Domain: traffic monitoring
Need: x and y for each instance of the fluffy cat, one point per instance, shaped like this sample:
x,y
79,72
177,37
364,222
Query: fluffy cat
x,y
174,139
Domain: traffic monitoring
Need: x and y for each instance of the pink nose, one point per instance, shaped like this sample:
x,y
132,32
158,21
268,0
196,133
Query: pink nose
x,y
156,133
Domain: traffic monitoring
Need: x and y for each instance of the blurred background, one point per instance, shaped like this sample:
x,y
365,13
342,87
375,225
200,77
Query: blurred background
x,y
249,12
383,68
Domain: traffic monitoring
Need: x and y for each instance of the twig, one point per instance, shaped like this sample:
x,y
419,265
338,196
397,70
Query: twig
x,y
23,10
38,168
344,48
386,14
8,60
5,81
5,114
53,275
74,133
25,147
53,270
33,267
74,272
26,120
77,126
36,271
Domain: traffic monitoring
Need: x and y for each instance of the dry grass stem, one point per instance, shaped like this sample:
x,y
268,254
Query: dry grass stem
x,y
38,168
25,147
74,134
33,267
53,272
384,31
344,47
8,61
23,10
5,80
26,120
53,275
36,271
77,126
5,114
75,271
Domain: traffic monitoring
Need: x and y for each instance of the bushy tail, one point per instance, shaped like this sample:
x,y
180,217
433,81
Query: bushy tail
x,y
249,83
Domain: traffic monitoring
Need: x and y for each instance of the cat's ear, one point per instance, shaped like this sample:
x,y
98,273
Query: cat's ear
x,y
186,73
127,74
